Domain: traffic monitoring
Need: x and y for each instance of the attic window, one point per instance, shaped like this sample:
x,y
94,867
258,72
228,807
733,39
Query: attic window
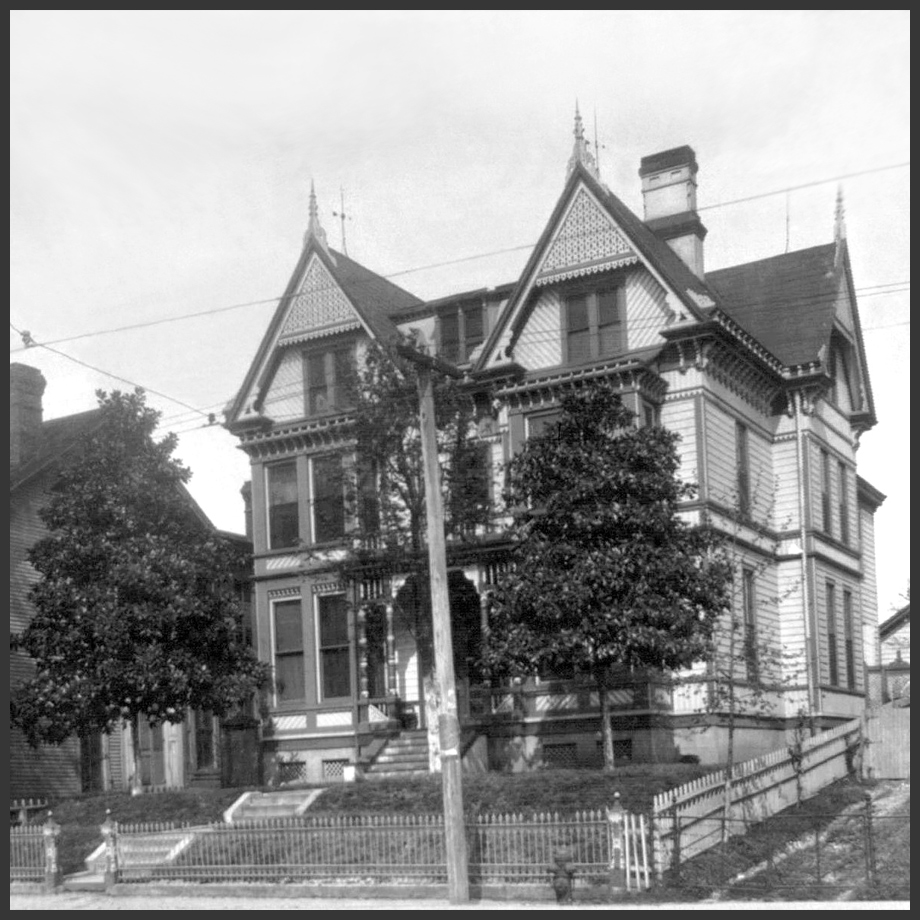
x,y
326,375
461,329
594,325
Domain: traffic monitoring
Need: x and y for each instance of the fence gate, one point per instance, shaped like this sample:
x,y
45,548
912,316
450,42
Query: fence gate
x,y
888,742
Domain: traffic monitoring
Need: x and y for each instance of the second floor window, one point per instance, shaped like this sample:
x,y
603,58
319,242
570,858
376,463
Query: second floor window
x,y
825,492
462,330
743,464
328,485
283,505
326,376
594,326
844,509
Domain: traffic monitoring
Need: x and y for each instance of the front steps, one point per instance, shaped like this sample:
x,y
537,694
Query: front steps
x,y
403,756
257,806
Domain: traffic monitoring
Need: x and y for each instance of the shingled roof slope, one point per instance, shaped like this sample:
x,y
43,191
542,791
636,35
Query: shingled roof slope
x,y
786,302
58,436
369,291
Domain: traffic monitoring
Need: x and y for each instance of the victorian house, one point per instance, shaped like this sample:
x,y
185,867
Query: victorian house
x,y
200,751
761,370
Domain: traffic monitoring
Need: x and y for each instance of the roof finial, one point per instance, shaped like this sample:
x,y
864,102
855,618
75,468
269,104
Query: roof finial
x,y
840,227
580,152
314,228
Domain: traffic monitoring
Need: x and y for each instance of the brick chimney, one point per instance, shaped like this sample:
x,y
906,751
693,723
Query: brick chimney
x,y
669,197
27,385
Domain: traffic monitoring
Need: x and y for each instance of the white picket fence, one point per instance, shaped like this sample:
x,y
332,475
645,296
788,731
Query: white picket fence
x,y
688,821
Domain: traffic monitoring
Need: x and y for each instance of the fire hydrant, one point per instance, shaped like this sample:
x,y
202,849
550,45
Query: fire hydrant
x,y
563,877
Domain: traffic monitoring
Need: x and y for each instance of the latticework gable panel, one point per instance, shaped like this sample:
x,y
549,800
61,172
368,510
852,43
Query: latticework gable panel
x,y
588,241
319,308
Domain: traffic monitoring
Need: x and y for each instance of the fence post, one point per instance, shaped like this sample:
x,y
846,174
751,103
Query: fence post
x,y
619,870
109,831
50,832
870,840
675,831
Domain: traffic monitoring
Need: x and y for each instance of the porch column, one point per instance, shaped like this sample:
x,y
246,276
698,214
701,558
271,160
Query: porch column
x,y
391,687
361,639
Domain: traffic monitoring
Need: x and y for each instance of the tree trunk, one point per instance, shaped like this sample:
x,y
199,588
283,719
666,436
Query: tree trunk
x,y
606,722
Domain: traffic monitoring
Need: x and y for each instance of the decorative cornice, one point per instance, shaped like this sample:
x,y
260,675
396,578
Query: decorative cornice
x,y
268,443
626,375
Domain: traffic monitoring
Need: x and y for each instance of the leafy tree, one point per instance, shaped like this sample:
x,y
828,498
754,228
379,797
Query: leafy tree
x,y
388,499
135,611
607,574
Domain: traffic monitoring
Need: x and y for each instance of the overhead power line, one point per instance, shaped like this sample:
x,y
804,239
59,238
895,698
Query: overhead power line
x,y
447,263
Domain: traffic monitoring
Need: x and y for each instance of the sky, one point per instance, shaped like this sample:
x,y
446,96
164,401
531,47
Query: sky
x,y
160,166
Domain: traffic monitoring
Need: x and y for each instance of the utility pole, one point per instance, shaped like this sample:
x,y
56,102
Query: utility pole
x,y
458,876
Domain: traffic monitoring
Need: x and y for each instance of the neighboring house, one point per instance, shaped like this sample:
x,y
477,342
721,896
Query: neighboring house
x,y
194,752
890,674
761,370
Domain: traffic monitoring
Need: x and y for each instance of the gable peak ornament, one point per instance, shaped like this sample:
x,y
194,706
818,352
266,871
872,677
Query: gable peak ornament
x,y
314,228
580,152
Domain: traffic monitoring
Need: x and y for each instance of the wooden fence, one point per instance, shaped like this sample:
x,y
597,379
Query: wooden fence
x,y
688,820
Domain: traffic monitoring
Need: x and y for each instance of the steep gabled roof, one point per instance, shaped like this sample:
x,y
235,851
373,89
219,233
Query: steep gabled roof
x,y
373,299
692,292
58,437
786,302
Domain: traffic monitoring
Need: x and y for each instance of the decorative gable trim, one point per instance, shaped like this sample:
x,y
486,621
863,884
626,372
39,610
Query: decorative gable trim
x,y
319,308
586,242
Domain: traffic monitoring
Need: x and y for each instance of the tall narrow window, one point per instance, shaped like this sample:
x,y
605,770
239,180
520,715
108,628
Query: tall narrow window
x,y
283,510
326,376
328,498
334,650
743,466
848,639
749,605
833,669
594,325
470,494
289,660
825,492
368,498
844,509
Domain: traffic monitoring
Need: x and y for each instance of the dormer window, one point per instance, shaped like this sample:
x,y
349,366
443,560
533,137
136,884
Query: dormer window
x,y
326,375
594,326
462,330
